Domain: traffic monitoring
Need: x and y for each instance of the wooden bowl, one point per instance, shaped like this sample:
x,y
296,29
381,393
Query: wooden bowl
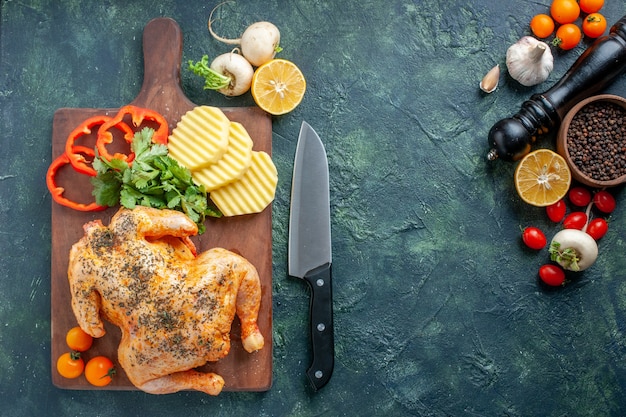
x,y
562,148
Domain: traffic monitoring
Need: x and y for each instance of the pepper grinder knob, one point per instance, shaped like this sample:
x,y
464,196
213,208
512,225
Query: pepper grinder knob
x,y
509,138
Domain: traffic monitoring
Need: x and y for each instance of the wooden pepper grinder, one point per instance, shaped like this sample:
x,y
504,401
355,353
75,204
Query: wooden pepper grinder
x,y
511,138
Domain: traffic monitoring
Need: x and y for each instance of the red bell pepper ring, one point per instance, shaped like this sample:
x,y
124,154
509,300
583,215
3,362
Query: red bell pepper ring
x,y
105,137
138,115
57,192
78,160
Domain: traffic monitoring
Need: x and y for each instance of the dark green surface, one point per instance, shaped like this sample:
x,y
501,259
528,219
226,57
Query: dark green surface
x,y
437,306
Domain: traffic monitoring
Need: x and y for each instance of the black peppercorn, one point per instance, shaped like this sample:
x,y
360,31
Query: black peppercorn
x,y
595,142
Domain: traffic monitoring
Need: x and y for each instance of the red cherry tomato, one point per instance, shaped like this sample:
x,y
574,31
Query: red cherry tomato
x,y
604,201
534,238
579,196
556,211
552,275
597,228
575,220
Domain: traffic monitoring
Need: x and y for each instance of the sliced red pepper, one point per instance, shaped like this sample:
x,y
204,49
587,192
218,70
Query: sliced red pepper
x,y
105,137
57,192
138,115
78,160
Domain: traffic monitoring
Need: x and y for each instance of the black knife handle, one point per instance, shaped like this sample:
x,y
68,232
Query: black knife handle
x,y
322,330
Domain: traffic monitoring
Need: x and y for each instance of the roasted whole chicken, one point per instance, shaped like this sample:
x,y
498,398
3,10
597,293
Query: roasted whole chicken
x,y
174,308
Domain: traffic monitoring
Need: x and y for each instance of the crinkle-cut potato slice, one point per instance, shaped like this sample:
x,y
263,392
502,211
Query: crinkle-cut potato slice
x,y
253,192
200,138
233,164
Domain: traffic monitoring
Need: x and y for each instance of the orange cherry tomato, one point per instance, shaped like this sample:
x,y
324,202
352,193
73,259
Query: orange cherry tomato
x,y
542,25
567,36
594,25
99,371
590,6
564,11
78,340
70,365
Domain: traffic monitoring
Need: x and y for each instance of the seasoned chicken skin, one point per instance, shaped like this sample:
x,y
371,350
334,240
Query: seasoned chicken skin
x,y
174,309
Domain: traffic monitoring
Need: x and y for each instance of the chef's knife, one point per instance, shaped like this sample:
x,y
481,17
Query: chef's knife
x,y
310,251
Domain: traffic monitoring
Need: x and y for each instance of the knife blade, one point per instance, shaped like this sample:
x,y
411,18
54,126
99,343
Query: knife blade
x,y
310,247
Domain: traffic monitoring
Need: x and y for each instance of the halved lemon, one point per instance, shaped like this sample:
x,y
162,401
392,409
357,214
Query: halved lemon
x,y
278,86
542,178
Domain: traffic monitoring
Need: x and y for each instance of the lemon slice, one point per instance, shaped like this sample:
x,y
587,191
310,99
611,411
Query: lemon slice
x,y
542,178
278,86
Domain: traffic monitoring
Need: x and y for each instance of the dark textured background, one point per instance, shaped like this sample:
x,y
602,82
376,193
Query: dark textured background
x,y
437,306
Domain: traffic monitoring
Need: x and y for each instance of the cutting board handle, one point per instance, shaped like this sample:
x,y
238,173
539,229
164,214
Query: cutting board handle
x,y
162,53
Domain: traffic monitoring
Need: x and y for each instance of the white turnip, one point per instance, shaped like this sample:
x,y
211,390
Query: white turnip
x,y
259,42
229,73
238,69
573,249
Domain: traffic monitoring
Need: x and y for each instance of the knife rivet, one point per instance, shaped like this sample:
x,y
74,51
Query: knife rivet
x,y
319,374
320,282
321,327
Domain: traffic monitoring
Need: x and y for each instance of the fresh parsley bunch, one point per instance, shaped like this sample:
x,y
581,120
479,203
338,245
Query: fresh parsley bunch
x,y
154,179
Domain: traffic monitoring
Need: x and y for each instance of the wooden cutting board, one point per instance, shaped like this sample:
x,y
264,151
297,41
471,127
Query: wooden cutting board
x,y
250,236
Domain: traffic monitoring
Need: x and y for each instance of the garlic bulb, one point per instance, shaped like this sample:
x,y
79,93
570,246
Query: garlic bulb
x,y
529,61
490,81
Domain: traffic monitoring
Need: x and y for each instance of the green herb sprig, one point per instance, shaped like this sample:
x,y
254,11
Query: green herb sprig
x,y
154,179
213,80
568,257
